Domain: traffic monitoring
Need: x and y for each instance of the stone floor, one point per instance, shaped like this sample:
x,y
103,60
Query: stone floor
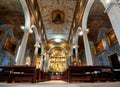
x,y
59,83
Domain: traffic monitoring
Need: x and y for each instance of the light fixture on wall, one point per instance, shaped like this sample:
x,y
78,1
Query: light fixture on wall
x,y
23,28
81,31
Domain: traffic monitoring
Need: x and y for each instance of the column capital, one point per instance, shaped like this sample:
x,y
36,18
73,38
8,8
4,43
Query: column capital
x,y
26,29
37,45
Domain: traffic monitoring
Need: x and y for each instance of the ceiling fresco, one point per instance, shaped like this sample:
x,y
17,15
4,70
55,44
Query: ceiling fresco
x,y
11,13
53,30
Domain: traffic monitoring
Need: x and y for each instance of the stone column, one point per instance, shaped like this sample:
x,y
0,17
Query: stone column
x,y
37,46
113,11
71,53
48,64
66,62
76,53
87,48
42,55
22,48
48,59
45,63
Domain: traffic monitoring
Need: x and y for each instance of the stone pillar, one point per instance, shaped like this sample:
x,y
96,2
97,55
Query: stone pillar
x,y
76,53
87,48
66,62
37,46
22,48
42,56
113,11
48,64
71,53
45,62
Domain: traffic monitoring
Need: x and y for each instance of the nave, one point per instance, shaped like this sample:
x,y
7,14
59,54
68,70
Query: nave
x,y
60,83
78,39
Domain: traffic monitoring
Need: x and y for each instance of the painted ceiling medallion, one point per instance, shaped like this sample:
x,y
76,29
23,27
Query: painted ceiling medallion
x,y
58,17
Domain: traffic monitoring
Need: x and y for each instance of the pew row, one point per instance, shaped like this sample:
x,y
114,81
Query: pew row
x,y
88,73
22,74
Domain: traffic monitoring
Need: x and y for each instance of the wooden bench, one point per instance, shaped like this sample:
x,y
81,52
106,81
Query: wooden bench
x,y
45,76
117,73
18,73
89,73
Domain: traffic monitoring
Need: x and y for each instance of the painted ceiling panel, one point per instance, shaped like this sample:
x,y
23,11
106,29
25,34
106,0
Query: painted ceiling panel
x,y
60,30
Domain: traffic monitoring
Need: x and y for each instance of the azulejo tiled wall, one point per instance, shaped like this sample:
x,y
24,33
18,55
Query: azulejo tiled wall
x,y
7,58
102,58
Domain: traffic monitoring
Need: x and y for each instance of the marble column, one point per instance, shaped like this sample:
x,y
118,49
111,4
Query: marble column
x,y
46,62
71,53
87,48
22,48
42,57
76,53
37,46
66,62
113,11
48,59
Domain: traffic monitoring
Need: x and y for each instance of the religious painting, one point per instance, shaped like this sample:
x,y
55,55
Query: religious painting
x,y
111,37
99,46
1,34
11,45
57,17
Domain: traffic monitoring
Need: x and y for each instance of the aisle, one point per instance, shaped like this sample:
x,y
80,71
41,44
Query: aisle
x,y
59,83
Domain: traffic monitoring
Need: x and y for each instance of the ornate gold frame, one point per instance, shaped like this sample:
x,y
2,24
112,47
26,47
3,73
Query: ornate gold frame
x,y
11,45
58,17
111,37
99,46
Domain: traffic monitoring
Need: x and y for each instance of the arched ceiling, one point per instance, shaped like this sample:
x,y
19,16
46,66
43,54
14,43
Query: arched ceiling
x,y
11,13
97,19
57,30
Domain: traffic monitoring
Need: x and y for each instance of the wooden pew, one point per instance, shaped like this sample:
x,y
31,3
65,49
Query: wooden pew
x,y
89,73
117,74
5,74
18,73
65,75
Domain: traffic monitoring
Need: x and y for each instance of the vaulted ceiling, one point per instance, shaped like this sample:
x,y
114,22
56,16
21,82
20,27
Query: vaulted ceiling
x,y
45,11
57,30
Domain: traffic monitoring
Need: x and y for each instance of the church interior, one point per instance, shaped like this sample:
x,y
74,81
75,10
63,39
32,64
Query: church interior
x,y
68,40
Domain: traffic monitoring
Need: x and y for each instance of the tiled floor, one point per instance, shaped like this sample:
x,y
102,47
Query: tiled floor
x,y
59,83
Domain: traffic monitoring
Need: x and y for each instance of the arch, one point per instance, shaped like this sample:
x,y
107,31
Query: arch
x,y
37,36
106,3
84,29
57,46
86,13
26,13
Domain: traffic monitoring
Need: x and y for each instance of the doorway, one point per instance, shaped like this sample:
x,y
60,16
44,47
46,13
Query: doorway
x,y
114,60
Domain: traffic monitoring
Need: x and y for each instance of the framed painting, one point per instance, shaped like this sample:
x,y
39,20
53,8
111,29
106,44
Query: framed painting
x,y
99,46
57,17
11,45
111,37
1,34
